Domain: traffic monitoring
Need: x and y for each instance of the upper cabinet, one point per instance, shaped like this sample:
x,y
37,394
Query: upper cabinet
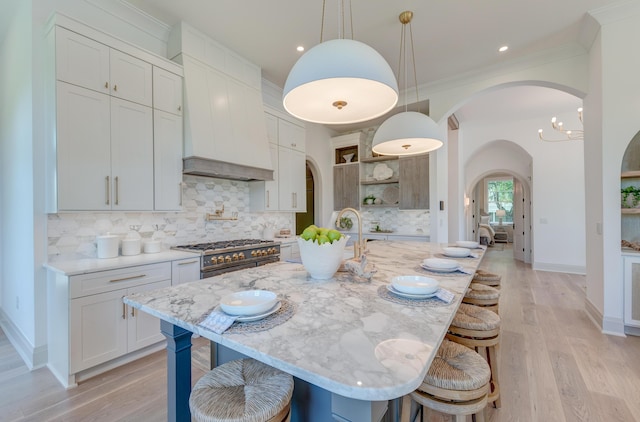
x,y
112,150
414,182
167,91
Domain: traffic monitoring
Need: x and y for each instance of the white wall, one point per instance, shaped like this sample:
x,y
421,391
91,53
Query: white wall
x,y
557,185
16,167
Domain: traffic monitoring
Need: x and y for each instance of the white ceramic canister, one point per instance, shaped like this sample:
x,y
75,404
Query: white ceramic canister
x,y
107,245
152,246
131,244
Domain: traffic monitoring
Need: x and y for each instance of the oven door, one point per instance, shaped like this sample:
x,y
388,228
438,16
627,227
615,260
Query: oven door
x,y
218,271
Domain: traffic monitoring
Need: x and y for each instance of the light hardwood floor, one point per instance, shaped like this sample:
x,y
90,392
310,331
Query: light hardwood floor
x,y
555,365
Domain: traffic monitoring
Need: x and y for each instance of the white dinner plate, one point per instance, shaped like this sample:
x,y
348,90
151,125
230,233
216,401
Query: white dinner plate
x,y
250,318
456,252
467,244
440,270
414,284
441,263
407,295
248,302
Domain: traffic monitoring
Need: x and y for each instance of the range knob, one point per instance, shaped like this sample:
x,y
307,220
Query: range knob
x,y
220,259
241,255
235,257
264,252
227,259
254,253
271,251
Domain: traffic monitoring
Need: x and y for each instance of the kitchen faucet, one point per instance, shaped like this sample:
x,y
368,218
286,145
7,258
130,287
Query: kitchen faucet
x,y
358,247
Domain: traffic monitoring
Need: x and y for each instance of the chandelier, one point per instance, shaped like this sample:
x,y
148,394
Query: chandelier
x,y
569,135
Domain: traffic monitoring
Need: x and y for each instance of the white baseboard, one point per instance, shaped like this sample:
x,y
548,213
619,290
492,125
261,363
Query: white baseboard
x,y
559,268
613,326
632,331
593,313
33,357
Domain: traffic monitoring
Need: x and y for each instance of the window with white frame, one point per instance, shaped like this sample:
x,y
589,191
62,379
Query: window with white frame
x,y
499,199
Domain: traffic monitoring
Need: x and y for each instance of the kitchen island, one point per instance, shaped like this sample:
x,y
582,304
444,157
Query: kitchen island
x,y
344,337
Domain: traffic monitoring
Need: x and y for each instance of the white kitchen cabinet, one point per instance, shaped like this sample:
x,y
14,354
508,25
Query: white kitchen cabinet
x,y
84,62
185,270
83,149
167,91
292,180
263,195
101,326
167,160
632,290
291,135
131,156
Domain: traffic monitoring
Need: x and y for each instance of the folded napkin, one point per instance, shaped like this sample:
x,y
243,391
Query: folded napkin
x,y
217,321
445,295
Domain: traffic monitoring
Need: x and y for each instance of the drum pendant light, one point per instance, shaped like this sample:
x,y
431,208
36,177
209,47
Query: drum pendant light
x,y
340,81
408,132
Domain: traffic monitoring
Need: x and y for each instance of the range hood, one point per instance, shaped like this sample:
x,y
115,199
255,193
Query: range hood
x,y
225,134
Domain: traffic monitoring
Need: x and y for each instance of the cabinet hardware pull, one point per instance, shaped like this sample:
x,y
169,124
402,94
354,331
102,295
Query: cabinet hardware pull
x,y
268,199
179,108
133,312
124,309
115,88
108,194
187,263
293,200
133,277
106,85
117,191
180,187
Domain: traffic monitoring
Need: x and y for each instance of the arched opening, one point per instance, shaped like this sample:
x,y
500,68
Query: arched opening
x,y
312,198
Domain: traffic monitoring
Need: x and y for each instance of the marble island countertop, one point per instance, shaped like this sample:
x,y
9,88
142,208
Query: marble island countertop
x,y
343,336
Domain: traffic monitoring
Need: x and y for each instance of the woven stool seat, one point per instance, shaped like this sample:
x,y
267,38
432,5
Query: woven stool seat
x,y
457,383
475,318
486,277
482,295
242,390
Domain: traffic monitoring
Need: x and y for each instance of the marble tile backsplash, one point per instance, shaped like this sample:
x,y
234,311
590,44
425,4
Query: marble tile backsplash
x,y
72,235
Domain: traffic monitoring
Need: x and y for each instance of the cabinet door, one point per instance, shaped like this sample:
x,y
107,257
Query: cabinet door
x,y
98,329
82,61
167,161
292,180
131,78
143,329
167,91
83,149
346,182
414,182
291,135
271,188
132,156
185,270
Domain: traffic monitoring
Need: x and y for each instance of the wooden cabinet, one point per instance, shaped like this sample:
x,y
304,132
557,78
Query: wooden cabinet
x,y
167,91
185,270
101,326
346,186
167,159
414,182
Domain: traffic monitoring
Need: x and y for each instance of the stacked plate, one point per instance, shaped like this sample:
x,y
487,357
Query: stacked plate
x,y
456,252
250,305
413,286
467,244
440,265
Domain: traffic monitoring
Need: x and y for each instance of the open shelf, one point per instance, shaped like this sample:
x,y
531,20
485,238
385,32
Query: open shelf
x,y
630,174
631,210
379,182
376,159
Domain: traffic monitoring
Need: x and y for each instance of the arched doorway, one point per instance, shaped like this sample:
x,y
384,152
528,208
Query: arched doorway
x,y
305,219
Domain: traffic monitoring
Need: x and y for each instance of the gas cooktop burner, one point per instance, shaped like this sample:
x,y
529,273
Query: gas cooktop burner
x,y
225,244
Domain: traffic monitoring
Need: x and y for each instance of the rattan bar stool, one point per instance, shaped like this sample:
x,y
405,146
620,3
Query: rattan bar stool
x,y
486,297
487,278
479,329
242,390
457,384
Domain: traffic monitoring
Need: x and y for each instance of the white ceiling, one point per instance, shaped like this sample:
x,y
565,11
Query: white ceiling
x,y
451,37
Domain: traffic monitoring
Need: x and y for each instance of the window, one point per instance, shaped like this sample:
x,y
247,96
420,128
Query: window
x,y
500,197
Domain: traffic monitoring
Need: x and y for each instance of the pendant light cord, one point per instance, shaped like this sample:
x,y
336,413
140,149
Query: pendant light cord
x,y
341,20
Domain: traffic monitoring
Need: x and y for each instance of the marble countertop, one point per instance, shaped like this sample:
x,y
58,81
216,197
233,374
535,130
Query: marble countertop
x,y
343,337
91,265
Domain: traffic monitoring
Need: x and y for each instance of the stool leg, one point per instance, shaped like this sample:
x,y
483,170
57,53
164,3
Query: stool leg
x,y
406,409
480,416
493,364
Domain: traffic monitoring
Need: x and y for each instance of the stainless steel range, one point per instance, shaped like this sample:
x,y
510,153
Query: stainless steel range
x,y
232,255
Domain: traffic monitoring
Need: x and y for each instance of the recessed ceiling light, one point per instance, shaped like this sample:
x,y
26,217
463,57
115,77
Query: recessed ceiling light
x,y
300,48
503,48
